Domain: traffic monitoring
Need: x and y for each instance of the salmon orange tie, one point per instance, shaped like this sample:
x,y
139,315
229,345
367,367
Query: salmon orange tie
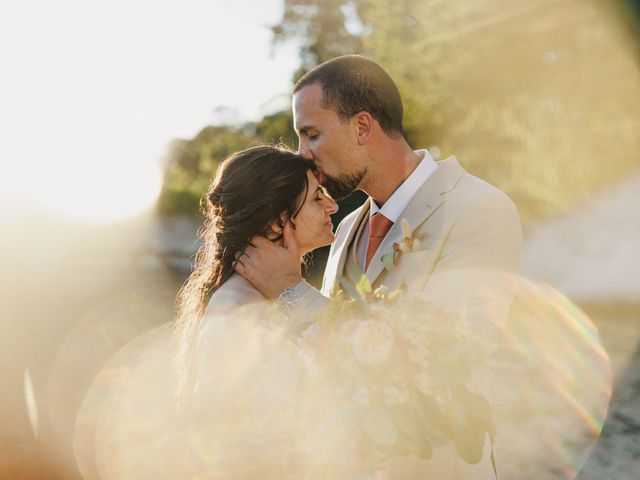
x,y
379,225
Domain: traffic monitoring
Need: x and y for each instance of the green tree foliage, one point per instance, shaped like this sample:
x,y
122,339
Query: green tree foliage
x,y
403,37
321,27
535,97
397,34
277,128
191,164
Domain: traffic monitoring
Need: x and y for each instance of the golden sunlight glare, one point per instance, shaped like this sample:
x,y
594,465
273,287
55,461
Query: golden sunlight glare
x,y
103,193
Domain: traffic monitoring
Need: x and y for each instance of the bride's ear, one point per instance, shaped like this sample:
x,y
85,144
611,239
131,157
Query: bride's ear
x,y
275,230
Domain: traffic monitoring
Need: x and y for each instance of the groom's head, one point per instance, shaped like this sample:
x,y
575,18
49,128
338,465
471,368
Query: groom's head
x,y
342,109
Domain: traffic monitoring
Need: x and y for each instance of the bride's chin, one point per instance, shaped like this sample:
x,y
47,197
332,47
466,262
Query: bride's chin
x,y
324,243
329,240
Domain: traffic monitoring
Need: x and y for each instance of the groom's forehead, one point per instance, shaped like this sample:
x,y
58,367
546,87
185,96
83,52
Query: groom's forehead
x,y
306,117
309,100
309,94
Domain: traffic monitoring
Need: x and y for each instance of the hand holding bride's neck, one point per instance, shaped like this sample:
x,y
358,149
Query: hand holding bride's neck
x,y
271,266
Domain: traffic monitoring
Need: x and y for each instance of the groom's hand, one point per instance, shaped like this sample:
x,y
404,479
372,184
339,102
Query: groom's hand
x,y
268,266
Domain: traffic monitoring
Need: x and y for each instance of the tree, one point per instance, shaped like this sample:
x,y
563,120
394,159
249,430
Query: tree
x,y
535,97
191,164
322,29
277,128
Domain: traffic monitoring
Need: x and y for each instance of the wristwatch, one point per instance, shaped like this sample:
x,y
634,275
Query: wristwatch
x,y
288,299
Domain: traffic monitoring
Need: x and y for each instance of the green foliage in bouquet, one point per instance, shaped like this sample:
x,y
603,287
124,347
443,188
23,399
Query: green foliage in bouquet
x,y
403,371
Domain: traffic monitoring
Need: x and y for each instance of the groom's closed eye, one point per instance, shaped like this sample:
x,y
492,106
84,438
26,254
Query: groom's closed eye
x,y
308,132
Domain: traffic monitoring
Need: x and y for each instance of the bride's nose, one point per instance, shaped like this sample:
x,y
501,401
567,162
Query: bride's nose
x,y
331,205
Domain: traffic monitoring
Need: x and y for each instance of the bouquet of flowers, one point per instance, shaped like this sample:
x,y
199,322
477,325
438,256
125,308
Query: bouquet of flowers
x,y
400,370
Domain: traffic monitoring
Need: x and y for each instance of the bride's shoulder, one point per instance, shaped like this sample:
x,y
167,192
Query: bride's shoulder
x,y
235,293
242,328
233,308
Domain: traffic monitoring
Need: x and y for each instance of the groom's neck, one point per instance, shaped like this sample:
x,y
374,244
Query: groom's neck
x,y
390,166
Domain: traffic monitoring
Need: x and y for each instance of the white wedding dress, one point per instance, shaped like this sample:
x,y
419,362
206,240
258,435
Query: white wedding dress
x,y
260,404
258,407
248,417
257,400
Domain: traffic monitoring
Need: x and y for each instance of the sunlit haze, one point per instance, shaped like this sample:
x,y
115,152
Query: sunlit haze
x,y
93,91
129,349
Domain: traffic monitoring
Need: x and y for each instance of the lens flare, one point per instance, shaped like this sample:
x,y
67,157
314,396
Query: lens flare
x,y
264,402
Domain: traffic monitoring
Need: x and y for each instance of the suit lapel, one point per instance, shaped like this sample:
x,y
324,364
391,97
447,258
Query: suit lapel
x,y
335,267
423,204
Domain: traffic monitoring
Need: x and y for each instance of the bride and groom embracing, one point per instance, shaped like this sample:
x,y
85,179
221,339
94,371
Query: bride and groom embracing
x,y
266,211
268,207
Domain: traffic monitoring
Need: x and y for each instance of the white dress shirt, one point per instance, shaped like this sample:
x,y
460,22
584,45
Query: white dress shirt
x,y
397,202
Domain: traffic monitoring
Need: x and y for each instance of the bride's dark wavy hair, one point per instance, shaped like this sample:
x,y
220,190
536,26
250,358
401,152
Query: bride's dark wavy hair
x,y
252,189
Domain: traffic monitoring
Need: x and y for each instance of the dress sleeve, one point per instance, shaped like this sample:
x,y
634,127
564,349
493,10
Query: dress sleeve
x,y
311,302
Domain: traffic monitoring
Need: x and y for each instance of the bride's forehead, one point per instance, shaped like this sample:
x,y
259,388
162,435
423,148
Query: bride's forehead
x,y
313,180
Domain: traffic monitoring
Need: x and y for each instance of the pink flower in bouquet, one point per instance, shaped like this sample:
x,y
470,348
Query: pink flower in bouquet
x,y
373,341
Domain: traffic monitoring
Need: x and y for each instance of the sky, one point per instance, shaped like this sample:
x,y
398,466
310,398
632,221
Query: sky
x,y
92,91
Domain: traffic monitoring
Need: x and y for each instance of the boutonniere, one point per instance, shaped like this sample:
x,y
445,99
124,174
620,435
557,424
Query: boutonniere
x,y
408,244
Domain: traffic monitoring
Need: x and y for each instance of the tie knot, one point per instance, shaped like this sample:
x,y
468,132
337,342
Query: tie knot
x,y
379,225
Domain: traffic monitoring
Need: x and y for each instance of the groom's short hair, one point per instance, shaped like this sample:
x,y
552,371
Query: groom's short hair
x,y
352,84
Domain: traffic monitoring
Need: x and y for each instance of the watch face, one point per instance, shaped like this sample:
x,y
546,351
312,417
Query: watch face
x,y
288,298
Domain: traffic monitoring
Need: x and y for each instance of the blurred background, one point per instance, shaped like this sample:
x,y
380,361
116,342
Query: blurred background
x,y
115,115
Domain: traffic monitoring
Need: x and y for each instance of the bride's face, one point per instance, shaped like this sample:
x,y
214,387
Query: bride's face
x,y
313,222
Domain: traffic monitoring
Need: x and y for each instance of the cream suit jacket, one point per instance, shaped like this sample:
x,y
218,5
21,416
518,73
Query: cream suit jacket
x,y
463,224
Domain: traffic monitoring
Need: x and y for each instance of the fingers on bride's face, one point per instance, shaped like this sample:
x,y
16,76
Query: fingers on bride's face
x,y
313,222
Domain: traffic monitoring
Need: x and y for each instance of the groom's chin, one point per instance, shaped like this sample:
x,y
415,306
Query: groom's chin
x,y
344,185
338,189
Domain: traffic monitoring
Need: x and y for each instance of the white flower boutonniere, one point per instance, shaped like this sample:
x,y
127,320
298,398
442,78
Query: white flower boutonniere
x,y
408,244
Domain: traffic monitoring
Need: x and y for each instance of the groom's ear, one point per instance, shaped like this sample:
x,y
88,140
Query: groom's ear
x,y
363,123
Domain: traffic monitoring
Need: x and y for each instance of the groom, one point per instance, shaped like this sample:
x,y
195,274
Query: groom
x,y
348,118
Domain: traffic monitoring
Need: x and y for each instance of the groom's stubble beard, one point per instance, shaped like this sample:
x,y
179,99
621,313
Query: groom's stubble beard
x,y
343,185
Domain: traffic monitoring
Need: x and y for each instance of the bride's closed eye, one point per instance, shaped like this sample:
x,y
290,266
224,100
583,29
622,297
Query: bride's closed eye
x,y
321,194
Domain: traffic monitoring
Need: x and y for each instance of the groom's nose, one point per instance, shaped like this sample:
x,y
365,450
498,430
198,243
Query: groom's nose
x,y
304,151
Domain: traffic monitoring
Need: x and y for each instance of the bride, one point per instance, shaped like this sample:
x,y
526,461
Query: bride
x,y
245,384
255,192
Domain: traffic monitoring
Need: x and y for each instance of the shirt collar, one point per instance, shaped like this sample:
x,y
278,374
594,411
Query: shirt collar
x,y
397,202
